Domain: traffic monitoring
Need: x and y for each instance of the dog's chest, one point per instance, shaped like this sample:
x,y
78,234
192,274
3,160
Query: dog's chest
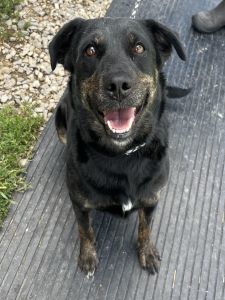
x,y
120,181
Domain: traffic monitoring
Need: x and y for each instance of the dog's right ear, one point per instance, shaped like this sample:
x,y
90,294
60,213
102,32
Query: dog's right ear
x,y
60,45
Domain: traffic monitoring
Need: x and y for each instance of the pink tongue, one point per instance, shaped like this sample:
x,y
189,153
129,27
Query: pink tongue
x,y
120,120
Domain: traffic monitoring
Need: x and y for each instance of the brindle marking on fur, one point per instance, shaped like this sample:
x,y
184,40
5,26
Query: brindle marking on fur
x,y
147,253
143,229
153,201
94,86
62,135
151,82
89,87
99,39
88,259
131,37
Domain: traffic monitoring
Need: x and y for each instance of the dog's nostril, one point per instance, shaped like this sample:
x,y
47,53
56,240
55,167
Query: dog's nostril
x,y
112,87
118,87
126,86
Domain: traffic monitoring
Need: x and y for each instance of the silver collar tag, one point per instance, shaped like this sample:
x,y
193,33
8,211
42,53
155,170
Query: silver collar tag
x,y
135,149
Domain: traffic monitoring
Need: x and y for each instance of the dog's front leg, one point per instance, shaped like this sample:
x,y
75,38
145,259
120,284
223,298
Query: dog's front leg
x,y
147,253
88,259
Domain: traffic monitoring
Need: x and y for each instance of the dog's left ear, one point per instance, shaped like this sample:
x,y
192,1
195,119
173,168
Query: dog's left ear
x,y
164,40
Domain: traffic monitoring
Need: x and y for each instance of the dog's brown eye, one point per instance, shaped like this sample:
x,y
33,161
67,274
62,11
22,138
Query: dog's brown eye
x,y
139,49
90,51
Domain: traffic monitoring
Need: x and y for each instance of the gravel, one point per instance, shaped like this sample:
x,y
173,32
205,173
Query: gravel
x,y
25,72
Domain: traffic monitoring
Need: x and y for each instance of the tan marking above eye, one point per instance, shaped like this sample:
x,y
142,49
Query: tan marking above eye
x,y
131,37
90,51
139,49
98,39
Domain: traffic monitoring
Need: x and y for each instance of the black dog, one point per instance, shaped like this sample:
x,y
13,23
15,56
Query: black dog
x,y
112,119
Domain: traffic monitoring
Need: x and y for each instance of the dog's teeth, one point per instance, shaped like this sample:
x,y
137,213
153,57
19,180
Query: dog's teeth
x,y
116,130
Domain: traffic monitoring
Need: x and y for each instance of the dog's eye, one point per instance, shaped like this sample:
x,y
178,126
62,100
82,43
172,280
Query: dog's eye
x,y
139,48
90,51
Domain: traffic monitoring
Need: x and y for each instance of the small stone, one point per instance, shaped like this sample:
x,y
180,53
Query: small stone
x,y
28,71
14,27
9,22
39,109
21,24
45,114
20,80
23,162
4,17
37,44
25,86
17,101
40,76
4,98
5,70
11,54
32,62
24,32
36,84
12,39
49,115
10,83
26,98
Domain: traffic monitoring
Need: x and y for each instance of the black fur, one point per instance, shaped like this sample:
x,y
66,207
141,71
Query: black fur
x,y
100,174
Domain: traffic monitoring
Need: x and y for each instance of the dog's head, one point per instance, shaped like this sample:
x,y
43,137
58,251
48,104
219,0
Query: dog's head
x,y
115,66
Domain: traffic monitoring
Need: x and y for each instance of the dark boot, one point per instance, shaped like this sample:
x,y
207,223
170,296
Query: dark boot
x,y
210,21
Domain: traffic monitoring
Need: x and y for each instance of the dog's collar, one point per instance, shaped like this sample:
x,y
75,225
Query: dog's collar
x,y
128,152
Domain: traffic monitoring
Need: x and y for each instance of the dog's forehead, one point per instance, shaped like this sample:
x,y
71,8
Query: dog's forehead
x,y
104,28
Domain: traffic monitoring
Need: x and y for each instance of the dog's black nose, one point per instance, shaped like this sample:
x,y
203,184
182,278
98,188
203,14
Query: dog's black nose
x,y
118,86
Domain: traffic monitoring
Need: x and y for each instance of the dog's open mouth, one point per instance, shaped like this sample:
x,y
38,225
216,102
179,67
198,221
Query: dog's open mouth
x,y
120,120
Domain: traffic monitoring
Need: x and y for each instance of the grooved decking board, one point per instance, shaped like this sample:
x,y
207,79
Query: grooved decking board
x,y
39,243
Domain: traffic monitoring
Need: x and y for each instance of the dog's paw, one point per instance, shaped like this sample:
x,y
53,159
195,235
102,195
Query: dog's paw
x,y
88,262
149,258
